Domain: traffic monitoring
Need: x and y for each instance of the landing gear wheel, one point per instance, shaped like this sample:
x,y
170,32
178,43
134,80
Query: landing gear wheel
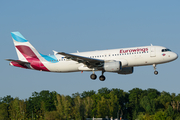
x,y
155,72
93,76
102,78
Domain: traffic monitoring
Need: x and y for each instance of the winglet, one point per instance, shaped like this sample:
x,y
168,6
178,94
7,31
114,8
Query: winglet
x,y
55,52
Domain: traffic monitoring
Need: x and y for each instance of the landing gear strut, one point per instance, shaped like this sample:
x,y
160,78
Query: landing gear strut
x,y
93,76
155,72
102,77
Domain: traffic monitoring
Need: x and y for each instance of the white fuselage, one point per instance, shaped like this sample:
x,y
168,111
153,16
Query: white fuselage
x,y
130,57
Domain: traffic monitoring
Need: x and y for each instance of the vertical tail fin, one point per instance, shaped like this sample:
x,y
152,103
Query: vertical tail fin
x,y
23,48
28,56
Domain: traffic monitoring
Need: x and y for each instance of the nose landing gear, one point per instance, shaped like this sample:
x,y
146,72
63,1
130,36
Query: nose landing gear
x,y
155,72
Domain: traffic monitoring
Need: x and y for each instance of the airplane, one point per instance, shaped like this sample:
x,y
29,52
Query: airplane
x,y
121,61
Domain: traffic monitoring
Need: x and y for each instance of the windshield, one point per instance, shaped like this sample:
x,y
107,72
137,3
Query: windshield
x,y
165,50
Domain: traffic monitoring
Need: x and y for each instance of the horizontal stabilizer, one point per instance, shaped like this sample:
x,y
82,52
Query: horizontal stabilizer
x,y
18,61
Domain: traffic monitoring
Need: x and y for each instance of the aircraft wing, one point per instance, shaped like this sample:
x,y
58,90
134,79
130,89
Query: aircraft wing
x,y
90,62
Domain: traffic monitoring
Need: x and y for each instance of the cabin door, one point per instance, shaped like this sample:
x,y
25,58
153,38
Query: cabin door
x,y
152,51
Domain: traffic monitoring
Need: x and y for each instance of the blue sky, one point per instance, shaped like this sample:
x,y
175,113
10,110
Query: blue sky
x,y
68,26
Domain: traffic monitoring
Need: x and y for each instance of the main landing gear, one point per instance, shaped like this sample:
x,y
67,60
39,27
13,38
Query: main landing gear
x,y
155,72
94,76
102,77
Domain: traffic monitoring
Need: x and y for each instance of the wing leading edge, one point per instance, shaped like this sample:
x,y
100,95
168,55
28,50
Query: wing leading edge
x,y
90,62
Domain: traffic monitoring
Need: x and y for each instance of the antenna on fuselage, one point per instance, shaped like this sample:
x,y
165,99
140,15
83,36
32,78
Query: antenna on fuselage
x,y
151,45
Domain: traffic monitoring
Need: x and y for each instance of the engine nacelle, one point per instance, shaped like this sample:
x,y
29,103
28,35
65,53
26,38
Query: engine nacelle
x,y
127,70
114,66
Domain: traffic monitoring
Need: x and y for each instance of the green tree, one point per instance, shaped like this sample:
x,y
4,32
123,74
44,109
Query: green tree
x,y
169,113
164,100
123,99
88,106
17,109
145,116
135,96
63,107
148,104
96,98
160,115
4,111
177,99
78,108
88,93
7,99
114,106
52,115
104,92
103,107
40,103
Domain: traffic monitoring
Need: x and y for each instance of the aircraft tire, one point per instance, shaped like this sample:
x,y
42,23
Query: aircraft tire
x,y
102,78
155,72
93,76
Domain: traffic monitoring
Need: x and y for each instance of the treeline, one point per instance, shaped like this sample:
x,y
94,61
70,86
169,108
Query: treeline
x,y
137,104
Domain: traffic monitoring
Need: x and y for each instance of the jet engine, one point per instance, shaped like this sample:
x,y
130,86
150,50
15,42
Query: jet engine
x,y
126,70
114,66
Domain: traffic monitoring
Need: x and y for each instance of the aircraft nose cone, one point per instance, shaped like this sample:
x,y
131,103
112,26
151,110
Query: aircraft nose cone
x,y
175,56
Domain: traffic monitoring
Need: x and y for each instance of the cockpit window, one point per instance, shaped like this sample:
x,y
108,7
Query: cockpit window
x,y
165,50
